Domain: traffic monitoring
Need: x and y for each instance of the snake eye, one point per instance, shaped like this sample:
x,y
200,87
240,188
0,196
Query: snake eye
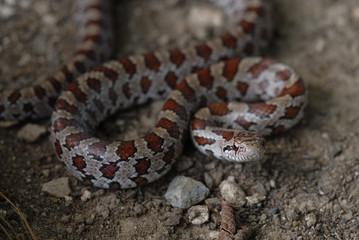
x,y
235,146
226,148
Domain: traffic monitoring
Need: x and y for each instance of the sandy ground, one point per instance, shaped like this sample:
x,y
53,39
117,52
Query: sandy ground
x,y
309,176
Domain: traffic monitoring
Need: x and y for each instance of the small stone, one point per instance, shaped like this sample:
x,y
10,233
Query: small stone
x,y
86,195
272,183
255,199
90,220
183,164
355,13
57,187
310,219
232,193
102,210
172,219
208,180
106,203
139,209
6,11
198,214
99,193
291,214
213,203
65,219
31,132
184,192
348,216
273,211
46,172
79,218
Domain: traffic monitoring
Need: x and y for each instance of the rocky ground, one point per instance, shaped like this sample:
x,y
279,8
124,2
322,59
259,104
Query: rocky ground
x,y
306,187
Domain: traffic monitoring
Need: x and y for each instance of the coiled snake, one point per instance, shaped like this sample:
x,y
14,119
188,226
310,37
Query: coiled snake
x,y
272,98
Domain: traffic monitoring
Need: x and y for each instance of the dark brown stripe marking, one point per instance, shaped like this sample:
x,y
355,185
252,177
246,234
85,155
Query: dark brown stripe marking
x,y
61,104
139,180
171,79
291,112
187,91
177,57
219,109
126,150
242,88
145,84
79,162
175,107
56,84
109,170
128,65
171,127
152,62
261,110
204,141
205,78
126,90
228,40
77,92
230,69
200,124
228,135
58,148
295,90
241,122
14,96
62,123
248,27
40,92
204,51
142,166
94,84
74,139
261,66
221,93
154,142
169,155
107,72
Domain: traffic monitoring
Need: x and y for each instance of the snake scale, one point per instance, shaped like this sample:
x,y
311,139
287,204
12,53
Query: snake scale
x,y
252,95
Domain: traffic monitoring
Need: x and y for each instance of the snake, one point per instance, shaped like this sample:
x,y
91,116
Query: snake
x,y
218,92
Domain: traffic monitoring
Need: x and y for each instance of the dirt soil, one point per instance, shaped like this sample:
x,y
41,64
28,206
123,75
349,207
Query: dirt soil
x,y
309,176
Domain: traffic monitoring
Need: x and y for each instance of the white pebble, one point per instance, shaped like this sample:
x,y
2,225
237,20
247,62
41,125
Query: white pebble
x,y
232,193
198,214
86,195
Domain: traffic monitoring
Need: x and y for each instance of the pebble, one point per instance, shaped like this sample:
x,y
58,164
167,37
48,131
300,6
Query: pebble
x,y
79,218
255,199
31,132
355,13
208,180
310,219
232,193
183,164
172,219
183,192
65,218
6,11
86,195
106,203
198,214
58,187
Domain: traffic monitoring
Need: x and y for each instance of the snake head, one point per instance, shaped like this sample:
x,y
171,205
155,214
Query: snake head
x,y
244,146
